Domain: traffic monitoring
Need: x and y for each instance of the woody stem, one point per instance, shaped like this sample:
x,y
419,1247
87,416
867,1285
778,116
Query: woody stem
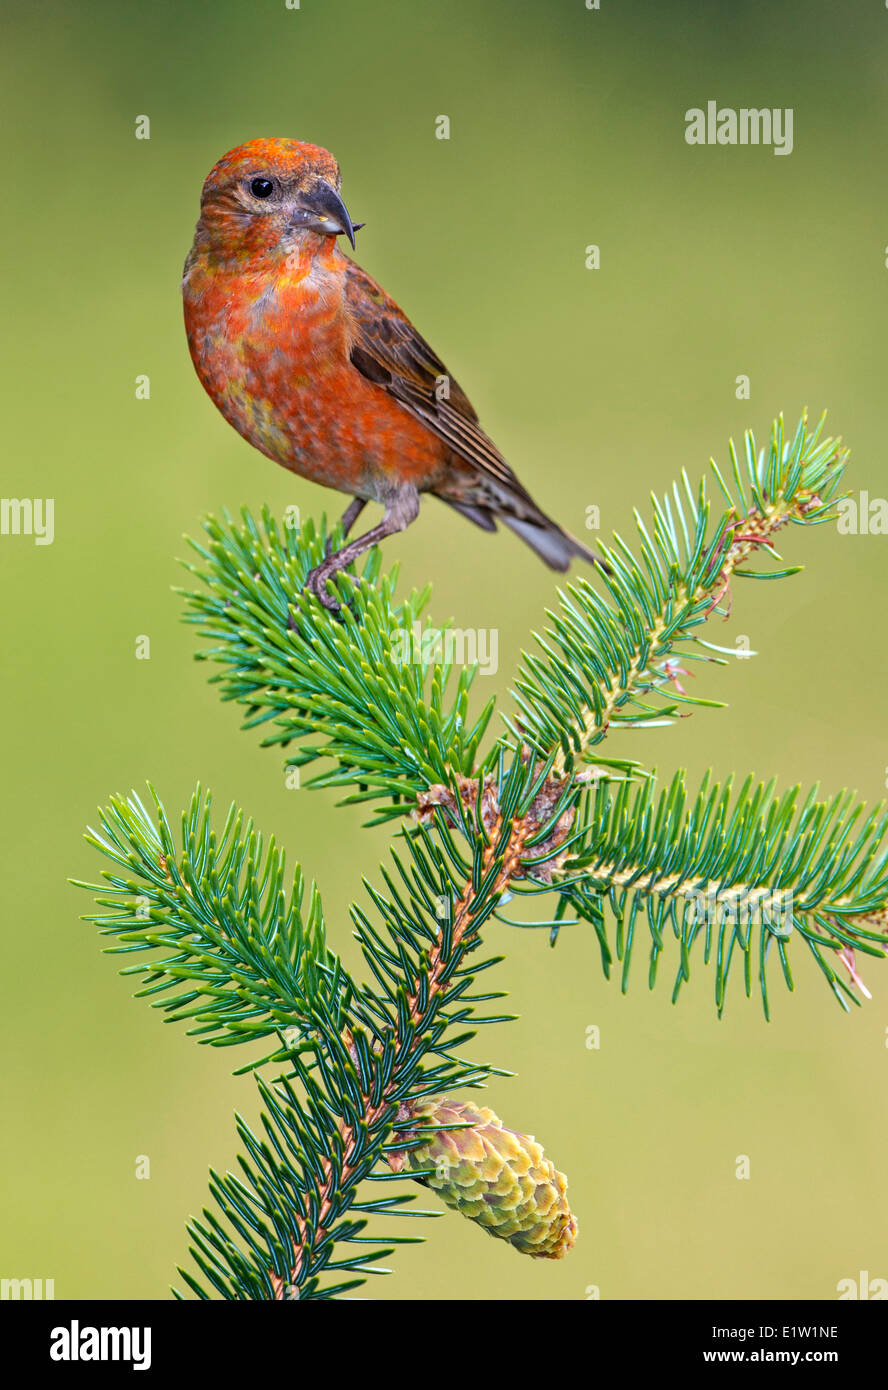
x,y
421,1000
747,534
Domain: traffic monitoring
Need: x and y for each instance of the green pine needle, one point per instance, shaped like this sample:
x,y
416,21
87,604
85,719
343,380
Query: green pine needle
x,y
235,948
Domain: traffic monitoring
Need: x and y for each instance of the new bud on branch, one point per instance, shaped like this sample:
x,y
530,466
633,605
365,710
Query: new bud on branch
x,y
493,1175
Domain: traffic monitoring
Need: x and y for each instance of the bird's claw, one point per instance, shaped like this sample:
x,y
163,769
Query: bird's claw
x,y
316,584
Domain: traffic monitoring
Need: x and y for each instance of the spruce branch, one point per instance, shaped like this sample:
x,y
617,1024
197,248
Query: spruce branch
x,y
607,661
247,964
735,872
237,950
344,687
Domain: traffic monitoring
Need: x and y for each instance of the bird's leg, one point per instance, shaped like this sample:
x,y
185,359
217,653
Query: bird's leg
x,y
349,517
316,581
400,510
351,514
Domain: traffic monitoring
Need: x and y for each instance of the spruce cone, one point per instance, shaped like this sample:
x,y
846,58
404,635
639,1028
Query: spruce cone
x,y
492,1175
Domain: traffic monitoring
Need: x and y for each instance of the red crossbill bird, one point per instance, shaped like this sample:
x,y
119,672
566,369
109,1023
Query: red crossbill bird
x,y
313,363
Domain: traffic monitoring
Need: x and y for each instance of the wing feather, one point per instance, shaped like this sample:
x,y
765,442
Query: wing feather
x,y
389,351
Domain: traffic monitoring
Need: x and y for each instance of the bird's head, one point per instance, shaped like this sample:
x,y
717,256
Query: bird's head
x,y
268,195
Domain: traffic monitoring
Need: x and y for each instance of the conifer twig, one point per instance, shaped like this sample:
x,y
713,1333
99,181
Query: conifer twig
x,y
238,951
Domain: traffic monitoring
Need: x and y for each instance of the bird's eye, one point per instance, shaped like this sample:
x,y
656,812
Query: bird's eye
x,y
261,188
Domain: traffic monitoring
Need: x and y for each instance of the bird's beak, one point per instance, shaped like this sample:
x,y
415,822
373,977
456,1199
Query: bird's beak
x,y
322,210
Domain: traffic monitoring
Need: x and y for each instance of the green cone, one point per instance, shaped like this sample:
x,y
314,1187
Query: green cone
x,y
493,1175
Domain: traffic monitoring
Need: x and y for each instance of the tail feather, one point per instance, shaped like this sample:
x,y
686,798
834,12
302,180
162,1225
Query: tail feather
x,y
555,547
480,515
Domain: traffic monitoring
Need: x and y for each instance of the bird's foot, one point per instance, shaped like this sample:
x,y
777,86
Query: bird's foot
x,y
316,583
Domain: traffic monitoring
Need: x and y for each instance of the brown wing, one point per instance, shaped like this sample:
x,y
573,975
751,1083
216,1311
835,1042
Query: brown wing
x,y
388,350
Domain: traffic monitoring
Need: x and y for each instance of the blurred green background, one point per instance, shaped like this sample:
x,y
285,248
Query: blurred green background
x,y
567,129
